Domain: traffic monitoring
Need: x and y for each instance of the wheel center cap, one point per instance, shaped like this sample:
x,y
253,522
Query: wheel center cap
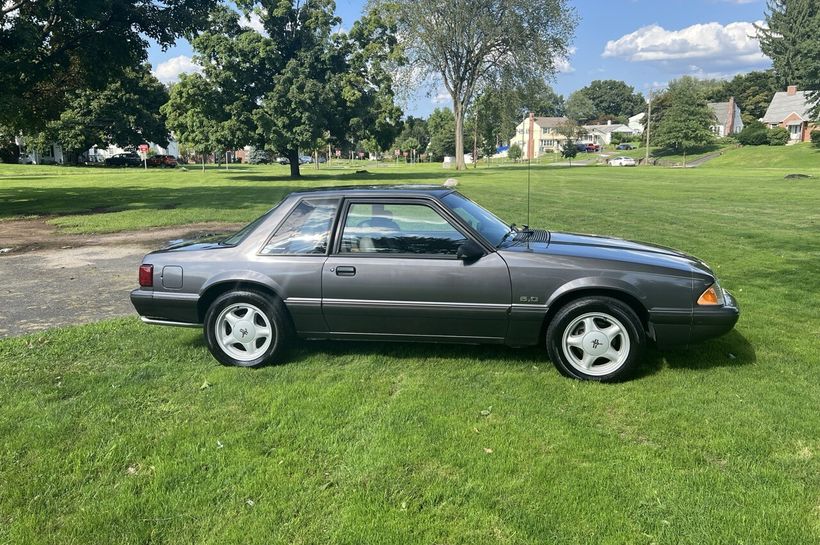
x,y
244,331
595,343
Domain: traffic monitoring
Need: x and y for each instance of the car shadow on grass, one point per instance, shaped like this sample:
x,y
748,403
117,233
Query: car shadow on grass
x,y
730,350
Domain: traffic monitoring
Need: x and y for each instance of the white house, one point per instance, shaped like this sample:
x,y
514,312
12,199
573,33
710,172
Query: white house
x,y
636,123
728,118
53,153
602,134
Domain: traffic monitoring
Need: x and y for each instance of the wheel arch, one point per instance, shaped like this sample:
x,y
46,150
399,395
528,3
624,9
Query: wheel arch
x,y
625,295
251,282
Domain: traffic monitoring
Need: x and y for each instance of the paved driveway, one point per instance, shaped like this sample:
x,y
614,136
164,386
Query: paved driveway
x,y
51,280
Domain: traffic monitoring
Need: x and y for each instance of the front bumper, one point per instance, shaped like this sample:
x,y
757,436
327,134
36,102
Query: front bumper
x,y
166,308
673,327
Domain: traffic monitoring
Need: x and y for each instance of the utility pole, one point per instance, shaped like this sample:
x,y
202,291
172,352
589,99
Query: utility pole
x,y
648,123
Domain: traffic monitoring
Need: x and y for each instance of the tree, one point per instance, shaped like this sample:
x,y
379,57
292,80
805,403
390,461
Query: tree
x,y
467,44
441,125
579,107
125,113
514,152
569,150
416,128
791,38
613,98
687,122
295,86
52,50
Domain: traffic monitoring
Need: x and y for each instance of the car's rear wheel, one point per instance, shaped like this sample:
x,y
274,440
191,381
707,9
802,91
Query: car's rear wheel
x,y
596,338
246,329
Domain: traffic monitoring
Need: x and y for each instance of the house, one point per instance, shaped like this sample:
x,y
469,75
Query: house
x,y
728,118
602,134
636,123
54,154
545,135
790,109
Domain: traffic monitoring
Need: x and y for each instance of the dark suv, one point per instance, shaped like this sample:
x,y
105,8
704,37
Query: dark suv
x,y
128,159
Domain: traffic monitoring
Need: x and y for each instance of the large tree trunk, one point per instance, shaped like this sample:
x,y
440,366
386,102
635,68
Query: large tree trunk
x,y
293,159
458,111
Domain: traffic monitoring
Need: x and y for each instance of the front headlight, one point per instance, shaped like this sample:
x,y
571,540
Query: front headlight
x,y
713,296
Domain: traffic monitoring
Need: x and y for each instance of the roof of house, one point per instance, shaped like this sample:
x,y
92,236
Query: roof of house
x,y
637,117
721,111
615,127
550,122
783,104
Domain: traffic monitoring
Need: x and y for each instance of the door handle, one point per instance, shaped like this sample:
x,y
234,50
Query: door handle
x,y
345,271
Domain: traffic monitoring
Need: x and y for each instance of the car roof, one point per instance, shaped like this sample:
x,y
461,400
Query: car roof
x,y
387,190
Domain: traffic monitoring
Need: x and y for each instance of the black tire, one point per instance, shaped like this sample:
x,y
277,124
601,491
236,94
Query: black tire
x,y
273,310
628,343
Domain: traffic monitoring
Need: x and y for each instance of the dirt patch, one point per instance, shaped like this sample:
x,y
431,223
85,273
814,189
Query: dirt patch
x,y
20,236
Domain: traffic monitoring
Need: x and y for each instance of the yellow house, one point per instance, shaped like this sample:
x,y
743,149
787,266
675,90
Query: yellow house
x,y
545,135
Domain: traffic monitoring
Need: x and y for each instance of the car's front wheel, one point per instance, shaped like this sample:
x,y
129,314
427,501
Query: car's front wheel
x,y
596,338
246,329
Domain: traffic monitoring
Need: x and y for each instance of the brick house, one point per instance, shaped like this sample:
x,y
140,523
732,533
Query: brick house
x,y
790,109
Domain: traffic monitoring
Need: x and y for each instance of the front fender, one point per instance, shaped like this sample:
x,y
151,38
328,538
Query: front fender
x,y
595,282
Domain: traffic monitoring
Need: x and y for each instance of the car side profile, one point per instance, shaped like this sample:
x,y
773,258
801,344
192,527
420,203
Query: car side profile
x,y
424,263
127,159
622,162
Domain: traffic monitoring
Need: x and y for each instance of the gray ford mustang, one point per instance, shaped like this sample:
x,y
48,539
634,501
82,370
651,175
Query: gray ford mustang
x,y
424,263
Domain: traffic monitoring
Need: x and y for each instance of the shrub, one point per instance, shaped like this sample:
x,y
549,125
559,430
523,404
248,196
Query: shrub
x,y
514,152
754,134
258,156
815,137
778,136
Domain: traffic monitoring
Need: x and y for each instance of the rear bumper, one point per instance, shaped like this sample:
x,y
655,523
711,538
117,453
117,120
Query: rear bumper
x,y
166,308
672,327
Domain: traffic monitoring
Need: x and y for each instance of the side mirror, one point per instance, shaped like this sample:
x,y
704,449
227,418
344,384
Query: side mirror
x,y
469,251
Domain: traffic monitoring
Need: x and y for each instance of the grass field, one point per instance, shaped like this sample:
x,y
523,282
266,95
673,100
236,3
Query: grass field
x,y
123,433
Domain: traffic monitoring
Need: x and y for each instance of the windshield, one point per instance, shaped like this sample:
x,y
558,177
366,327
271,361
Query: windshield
x,y
237,237
490,227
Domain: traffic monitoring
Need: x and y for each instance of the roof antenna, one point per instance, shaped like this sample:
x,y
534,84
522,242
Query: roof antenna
x,y
530,152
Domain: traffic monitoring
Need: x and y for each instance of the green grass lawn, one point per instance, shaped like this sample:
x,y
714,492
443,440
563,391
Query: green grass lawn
x,y
124,433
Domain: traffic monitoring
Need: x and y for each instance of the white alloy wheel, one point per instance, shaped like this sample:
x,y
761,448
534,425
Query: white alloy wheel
x,y
243,331
596,343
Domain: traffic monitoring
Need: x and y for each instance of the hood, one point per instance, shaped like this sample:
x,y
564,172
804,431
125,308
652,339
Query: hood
x,y
613,249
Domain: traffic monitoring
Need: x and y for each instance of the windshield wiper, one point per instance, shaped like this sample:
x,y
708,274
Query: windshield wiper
x,y
513,231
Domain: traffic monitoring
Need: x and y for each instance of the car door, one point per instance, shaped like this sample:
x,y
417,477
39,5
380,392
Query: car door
x,y
394,272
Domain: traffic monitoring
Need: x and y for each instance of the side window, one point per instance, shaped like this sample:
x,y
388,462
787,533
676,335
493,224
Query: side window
x,y
383,228
306,230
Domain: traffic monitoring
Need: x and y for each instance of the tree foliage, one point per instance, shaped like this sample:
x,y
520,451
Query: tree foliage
x,y
514,152
441,127
298,85
791,38
124,113
580,107
613,99
687,122
51,50
466,44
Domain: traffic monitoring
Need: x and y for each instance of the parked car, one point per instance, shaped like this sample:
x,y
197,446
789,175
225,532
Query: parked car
x,y
622,162
424,263
162,161
283,160
593,148
624,147
128,159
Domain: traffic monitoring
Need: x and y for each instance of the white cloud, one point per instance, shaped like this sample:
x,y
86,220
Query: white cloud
x,y
169,71
709,48
442,96
562,64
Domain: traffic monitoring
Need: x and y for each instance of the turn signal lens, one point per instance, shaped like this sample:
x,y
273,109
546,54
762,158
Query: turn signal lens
x,y
712,296
146,276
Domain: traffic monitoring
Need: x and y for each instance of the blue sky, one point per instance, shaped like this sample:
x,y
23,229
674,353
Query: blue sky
x,y
643,42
